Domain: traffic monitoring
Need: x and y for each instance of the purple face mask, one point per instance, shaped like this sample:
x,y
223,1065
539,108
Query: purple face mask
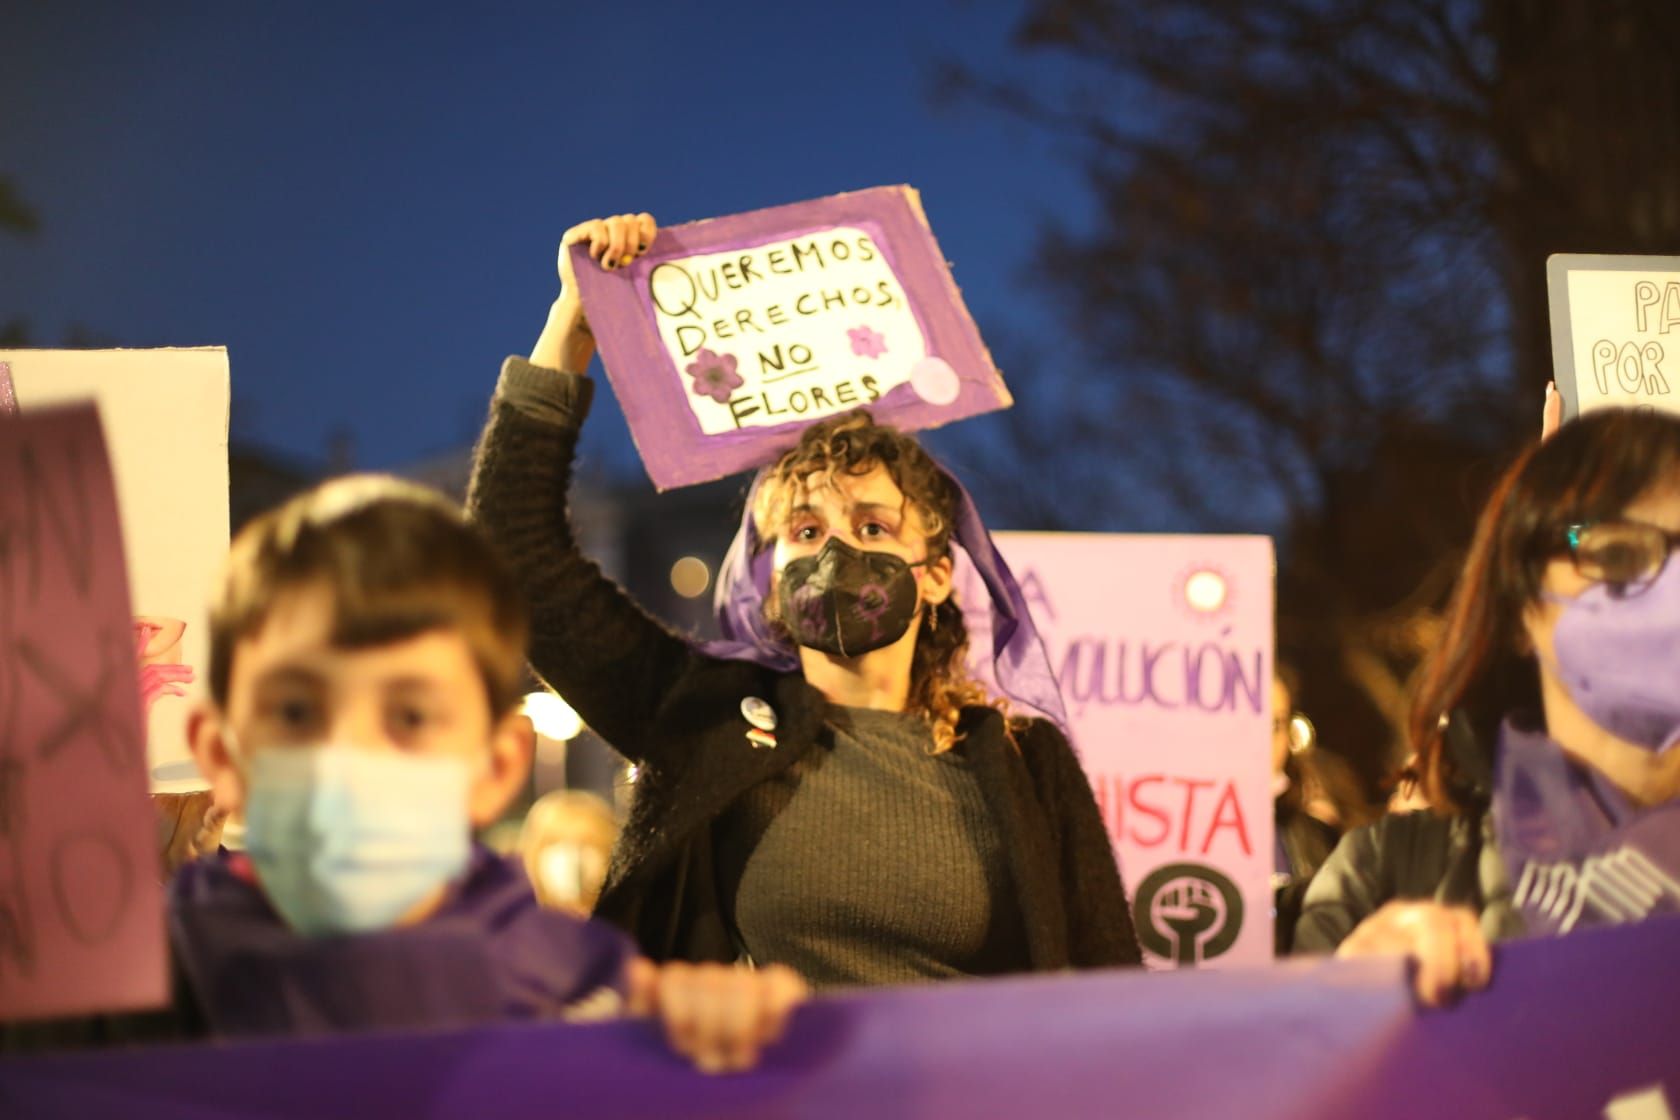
x,y
1619,657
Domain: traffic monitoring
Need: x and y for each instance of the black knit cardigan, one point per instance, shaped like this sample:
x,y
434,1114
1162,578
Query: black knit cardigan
x,y
676,712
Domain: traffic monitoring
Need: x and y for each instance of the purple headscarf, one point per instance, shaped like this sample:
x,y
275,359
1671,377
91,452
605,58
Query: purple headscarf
x,y
1005,651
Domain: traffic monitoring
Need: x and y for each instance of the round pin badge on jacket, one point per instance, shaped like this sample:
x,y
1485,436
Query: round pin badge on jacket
x,y
759,713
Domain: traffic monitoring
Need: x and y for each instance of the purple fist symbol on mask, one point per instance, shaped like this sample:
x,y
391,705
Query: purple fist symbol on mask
x,y
847,601
871,604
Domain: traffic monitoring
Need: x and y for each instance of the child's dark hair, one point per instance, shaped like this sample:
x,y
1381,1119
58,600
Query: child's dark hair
x,y
399,559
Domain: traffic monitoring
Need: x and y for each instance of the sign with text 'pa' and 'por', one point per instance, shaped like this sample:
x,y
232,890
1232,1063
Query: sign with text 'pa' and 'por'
x,y
1615,330
731,335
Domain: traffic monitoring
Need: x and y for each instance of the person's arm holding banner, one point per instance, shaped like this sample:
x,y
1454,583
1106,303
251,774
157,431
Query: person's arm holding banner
x,y
1447,949
717,1017
1352,908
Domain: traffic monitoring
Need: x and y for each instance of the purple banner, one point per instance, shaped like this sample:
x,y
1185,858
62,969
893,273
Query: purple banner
x,y
1568,1028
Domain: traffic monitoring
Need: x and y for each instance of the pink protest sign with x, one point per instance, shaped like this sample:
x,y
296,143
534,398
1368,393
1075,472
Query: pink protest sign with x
x,y
81,923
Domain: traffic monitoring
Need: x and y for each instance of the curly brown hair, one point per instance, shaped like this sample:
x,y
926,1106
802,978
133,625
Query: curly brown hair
x,y
854,444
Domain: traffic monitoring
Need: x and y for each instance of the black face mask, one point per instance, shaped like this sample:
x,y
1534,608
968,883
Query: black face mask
x,y
848,602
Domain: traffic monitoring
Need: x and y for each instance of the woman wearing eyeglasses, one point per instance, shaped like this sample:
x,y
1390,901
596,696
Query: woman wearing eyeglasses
x,y
1544,725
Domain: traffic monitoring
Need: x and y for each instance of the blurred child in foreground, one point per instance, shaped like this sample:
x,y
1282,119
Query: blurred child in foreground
x,y
366,655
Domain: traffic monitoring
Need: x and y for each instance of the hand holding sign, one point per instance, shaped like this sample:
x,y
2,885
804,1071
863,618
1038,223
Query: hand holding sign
x,y
613,242
566,342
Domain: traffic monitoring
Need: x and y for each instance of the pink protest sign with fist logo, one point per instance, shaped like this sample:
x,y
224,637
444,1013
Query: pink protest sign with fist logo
x,y
1162,647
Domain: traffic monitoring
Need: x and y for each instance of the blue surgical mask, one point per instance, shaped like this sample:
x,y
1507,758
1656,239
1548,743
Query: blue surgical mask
x,y
346,840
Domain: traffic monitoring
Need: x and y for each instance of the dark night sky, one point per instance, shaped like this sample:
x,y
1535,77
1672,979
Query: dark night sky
x,y
363,205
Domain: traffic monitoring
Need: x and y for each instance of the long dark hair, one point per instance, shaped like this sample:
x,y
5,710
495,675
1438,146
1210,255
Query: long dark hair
x,y
1591,470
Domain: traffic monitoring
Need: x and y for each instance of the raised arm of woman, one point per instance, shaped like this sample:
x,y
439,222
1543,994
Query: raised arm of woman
x,y
590,641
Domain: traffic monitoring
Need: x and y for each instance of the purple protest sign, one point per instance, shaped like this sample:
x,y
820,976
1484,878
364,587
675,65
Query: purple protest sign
x,y
81,914
730,335
1569,1027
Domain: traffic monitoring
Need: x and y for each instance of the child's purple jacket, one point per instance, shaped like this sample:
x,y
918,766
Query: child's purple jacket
x,y
490,954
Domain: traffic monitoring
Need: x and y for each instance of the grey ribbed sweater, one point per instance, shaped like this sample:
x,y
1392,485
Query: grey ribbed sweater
x,y
872,861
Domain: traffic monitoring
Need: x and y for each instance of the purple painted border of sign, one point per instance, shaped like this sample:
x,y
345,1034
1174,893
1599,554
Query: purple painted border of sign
x,y
650,387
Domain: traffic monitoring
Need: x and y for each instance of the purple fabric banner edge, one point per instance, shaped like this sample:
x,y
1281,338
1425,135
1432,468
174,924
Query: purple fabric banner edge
x,y
1567,1025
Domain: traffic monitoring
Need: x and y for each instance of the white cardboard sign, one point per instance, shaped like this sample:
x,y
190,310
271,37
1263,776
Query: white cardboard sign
x,y
165,414
1615,330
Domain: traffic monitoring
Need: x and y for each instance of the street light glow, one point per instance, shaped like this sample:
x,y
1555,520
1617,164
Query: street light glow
x,y
552,717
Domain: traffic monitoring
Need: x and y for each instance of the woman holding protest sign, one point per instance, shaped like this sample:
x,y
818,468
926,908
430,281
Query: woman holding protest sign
x,y
1545,724
827,788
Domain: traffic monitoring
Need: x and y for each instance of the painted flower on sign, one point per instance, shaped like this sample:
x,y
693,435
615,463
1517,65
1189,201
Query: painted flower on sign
x,y
867,342
714,376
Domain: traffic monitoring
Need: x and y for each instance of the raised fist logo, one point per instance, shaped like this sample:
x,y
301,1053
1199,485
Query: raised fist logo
x,y
1187,912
